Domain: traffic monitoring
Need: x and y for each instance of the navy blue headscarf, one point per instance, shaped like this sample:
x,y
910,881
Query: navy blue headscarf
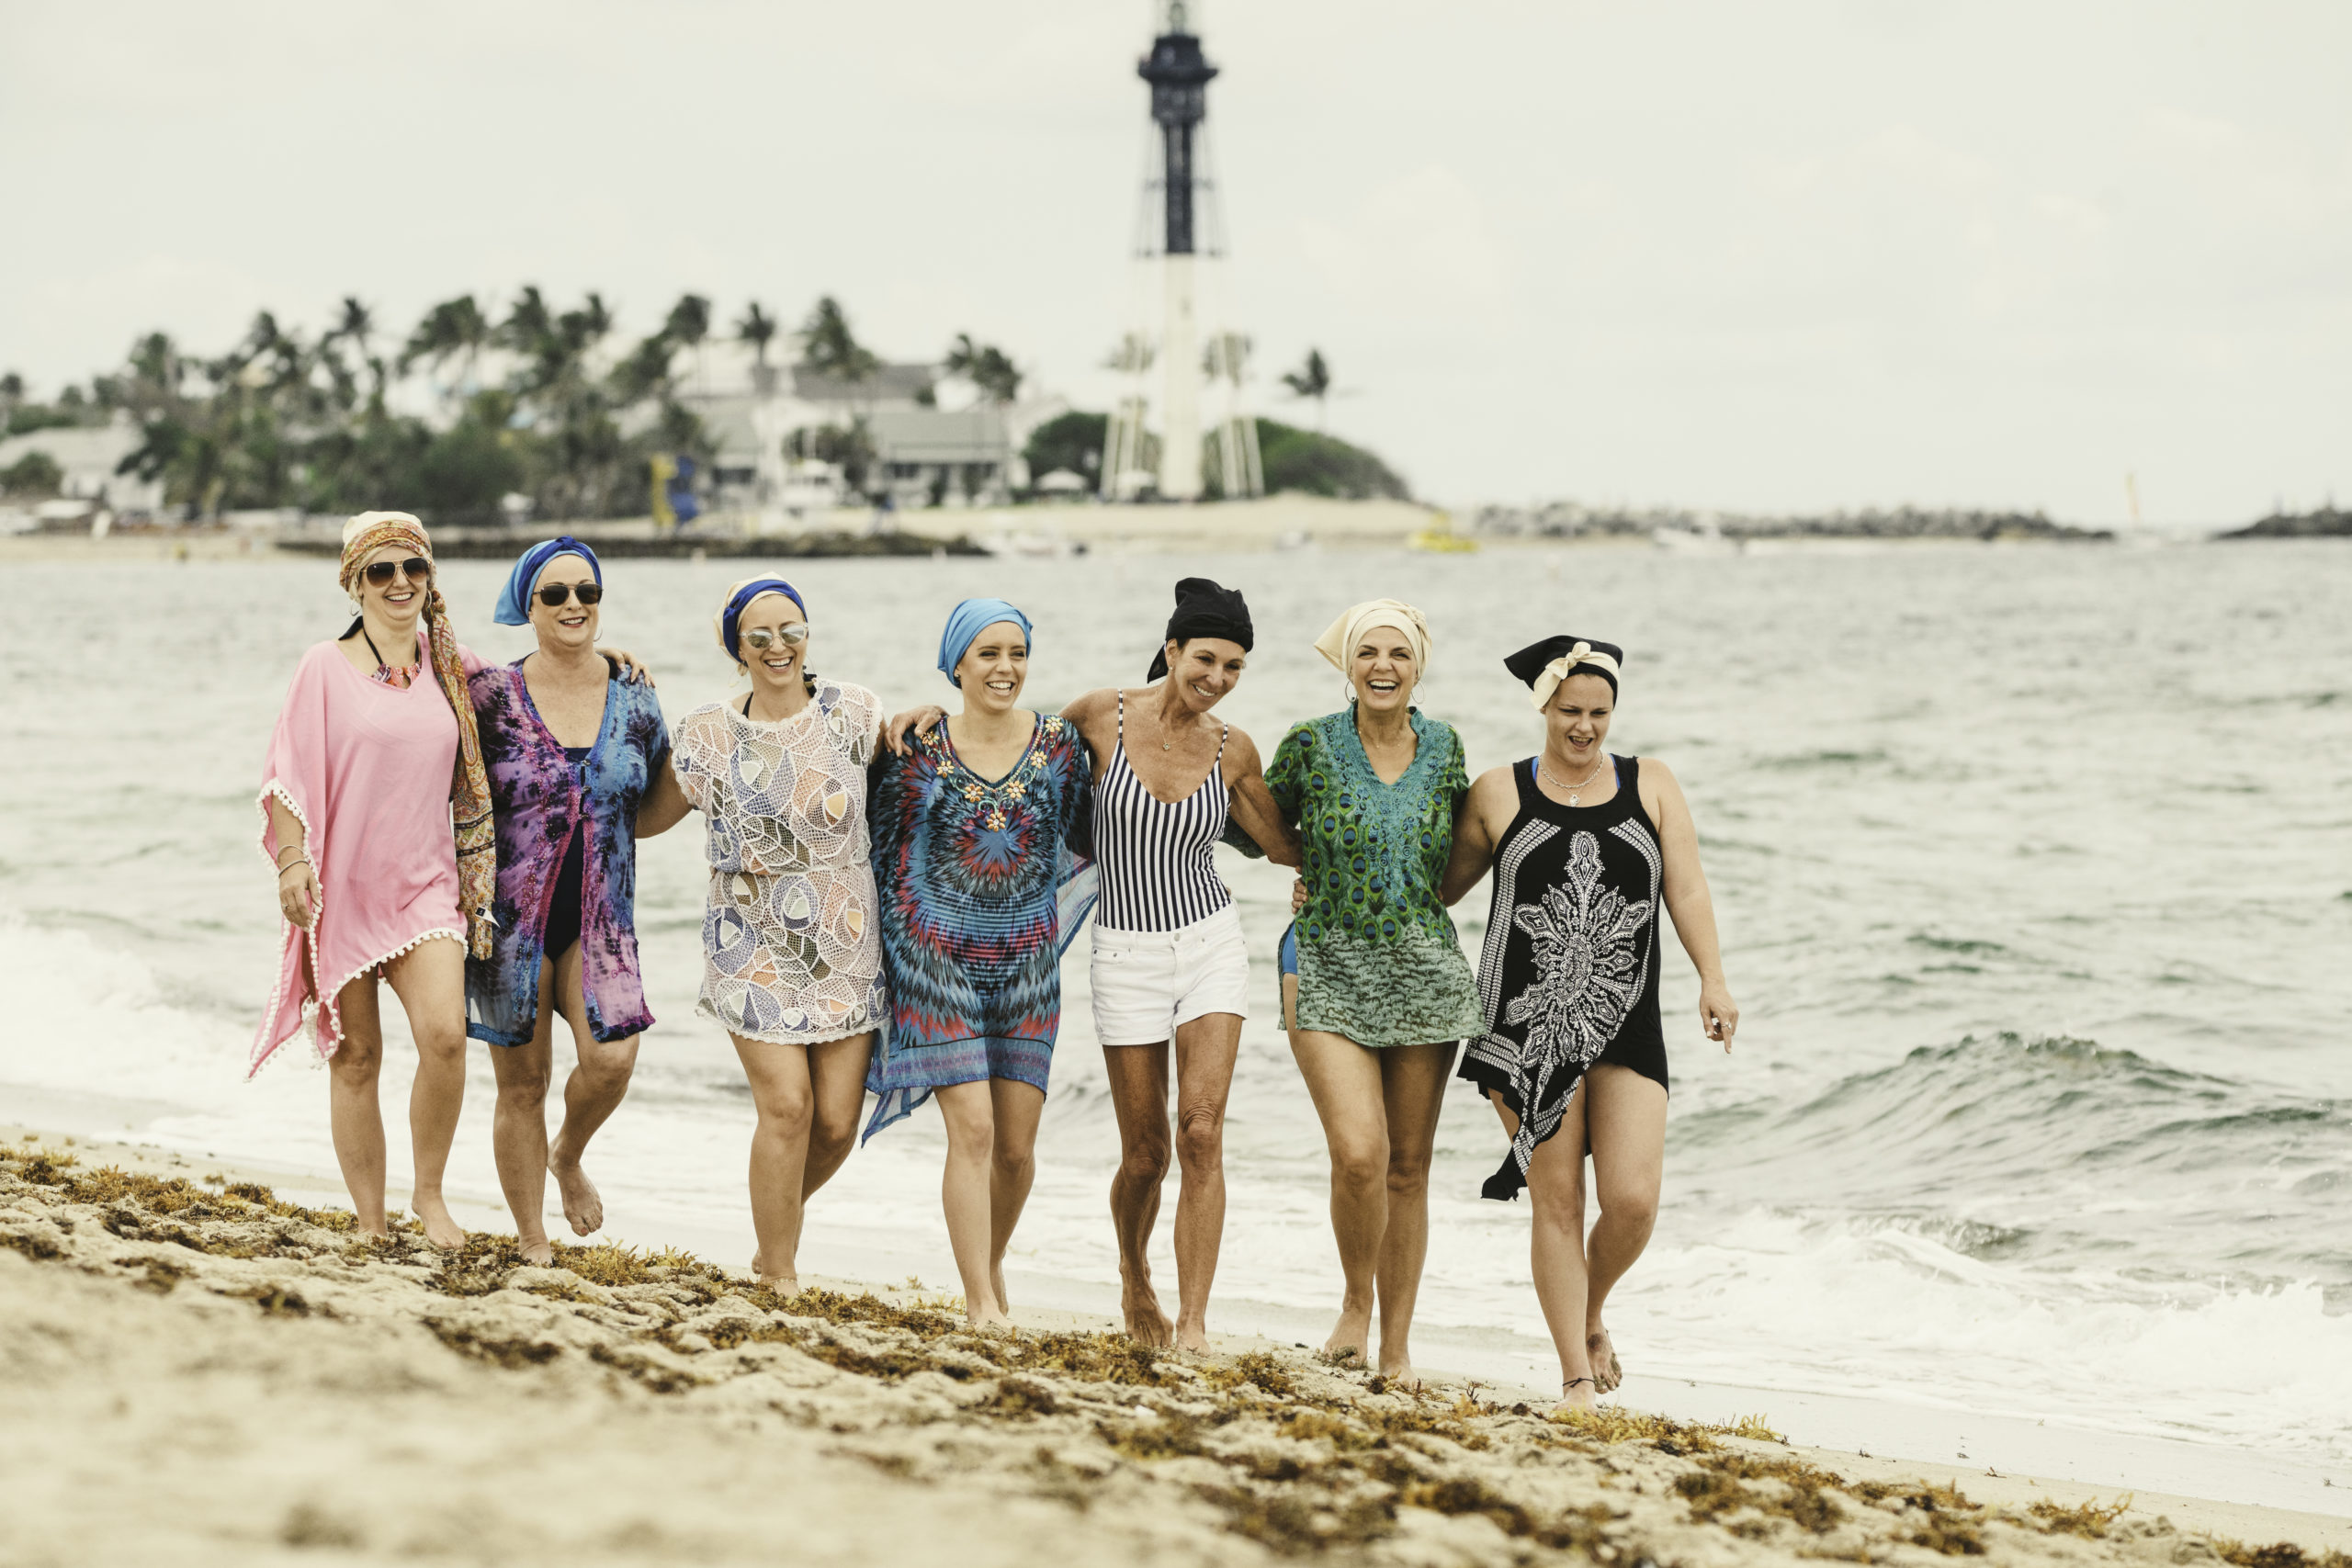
x,y
515,603
745,592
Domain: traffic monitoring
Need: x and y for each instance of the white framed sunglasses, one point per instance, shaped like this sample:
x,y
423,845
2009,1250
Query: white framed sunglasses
x,y
760,639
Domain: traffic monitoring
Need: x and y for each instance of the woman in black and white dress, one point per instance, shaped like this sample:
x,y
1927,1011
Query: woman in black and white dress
x,y
1584,846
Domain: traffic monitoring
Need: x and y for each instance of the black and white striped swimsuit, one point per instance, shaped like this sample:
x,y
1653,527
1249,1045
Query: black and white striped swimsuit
x,y
1157,861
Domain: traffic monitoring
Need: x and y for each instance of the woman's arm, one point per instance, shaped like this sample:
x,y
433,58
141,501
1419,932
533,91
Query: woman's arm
x,y
1474,834
1687,900
1254,807
298,879
663,804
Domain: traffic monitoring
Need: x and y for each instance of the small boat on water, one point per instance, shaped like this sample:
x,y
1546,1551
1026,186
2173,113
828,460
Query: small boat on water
x,y
1440,538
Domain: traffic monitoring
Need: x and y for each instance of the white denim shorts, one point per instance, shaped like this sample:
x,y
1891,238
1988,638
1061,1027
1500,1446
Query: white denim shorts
x,y
1146,983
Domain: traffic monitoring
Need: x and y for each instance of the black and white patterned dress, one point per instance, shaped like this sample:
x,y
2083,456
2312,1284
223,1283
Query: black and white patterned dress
x,y
1569,974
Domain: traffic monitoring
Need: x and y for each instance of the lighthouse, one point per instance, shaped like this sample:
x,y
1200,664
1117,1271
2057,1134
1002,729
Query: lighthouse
x,y
1179,237
1180,76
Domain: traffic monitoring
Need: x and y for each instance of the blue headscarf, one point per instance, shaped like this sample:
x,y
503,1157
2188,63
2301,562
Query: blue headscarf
x,y
515,604
745,592
966,622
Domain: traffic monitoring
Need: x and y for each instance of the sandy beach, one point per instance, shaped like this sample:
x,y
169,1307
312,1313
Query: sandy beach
x,y
198,1371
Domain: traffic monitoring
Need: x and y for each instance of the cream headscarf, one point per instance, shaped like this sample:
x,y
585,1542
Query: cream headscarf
x,y
1339,640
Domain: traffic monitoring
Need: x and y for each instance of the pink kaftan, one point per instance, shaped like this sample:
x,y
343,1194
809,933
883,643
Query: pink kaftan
x,y
366,768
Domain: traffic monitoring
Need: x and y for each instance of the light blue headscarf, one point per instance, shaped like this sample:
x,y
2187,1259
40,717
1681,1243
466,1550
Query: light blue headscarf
x,y
966,622
515,604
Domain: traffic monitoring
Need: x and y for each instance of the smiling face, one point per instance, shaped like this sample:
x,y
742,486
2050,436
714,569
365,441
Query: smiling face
x,y
571,625
777,668
1577,722
1203,669
402,600
1384,673
994,669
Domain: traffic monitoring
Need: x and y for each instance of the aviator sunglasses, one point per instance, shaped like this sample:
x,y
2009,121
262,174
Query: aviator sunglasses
x,y
761,639
555,593
417,568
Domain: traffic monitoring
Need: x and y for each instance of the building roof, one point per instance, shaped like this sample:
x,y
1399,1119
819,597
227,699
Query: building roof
x,y
935,435
889,384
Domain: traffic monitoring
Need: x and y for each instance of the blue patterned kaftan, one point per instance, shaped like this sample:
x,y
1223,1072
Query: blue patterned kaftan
x,y
980,888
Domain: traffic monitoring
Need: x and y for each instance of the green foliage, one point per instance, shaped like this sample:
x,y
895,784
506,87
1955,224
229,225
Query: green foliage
x,y
851,446
986,366
1072,440
831,349
26,418
34,474
1312,380
1323,464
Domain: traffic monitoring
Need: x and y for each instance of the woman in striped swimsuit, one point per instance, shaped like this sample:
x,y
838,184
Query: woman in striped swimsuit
x,y
1169,962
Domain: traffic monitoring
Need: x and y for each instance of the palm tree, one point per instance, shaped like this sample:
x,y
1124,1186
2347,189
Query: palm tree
x,y
756,328
452,328
1312,380
831,349
985,366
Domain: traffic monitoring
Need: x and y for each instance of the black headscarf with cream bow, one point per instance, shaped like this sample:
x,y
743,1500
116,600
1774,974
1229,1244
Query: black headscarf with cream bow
x,y
1544,665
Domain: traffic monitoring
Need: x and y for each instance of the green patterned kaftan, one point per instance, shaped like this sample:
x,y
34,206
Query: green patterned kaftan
x,y
1378,960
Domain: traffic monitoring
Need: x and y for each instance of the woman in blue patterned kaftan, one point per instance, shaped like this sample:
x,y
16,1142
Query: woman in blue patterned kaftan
x,y
979,832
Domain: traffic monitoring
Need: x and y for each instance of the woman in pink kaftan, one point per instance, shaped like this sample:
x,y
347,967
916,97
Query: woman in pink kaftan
x,y
376,809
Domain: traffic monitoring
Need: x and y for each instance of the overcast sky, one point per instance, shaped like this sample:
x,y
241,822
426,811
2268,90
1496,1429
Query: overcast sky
x,y
1759,256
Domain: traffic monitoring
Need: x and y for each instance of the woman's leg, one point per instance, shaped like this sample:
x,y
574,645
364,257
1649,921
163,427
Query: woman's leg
x,y
782,1099
1015,1107
352,1108
1556,1185
1413,1080
964,1191
837,1079
1138,1079
1344,1080
1625,1116
430,981
518,1133
1206,1047
593,1092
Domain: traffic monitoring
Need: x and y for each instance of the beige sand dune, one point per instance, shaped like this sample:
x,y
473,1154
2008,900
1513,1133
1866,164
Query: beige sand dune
x,y
192,1371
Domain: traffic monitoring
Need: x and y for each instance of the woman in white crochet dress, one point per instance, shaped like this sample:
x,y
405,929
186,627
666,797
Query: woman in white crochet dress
x,y
792,959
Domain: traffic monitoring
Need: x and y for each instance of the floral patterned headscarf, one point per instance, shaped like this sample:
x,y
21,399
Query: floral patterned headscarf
x,y
470,786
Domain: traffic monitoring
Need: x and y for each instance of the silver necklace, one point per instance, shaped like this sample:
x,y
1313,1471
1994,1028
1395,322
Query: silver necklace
x,y
1577,788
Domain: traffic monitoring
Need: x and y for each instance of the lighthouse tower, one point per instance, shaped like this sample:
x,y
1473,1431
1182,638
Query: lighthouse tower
x,y
1179,231
1180,76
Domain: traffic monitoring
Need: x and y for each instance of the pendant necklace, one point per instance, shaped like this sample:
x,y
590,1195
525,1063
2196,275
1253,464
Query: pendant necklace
x,y
1577,788
384,672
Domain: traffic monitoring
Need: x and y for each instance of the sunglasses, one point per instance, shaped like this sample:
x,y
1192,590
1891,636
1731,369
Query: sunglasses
x,y
761,639
417,569
556,593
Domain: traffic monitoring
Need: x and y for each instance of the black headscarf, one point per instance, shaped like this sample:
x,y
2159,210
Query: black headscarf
x,y
1533,663
1205,609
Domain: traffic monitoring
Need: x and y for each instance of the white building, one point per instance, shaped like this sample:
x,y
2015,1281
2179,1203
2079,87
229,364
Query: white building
x,y
88,456
935,441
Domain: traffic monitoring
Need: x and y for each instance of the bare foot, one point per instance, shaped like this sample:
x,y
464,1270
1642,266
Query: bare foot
x,y
996,1284
786,1285
1400,1373
1351,1341
1607,1372
1575,1394
441,1229
539,1253
1147,1325
1193,1336
582,1205
988,1317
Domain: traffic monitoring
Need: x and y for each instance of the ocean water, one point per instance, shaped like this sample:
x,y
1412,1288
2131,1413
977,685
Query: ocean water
x,y
2033,868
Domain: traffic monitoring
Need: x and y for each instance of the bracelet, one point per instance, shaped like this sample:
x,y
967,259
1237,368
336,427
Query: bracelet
x,y
283,862
289,865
